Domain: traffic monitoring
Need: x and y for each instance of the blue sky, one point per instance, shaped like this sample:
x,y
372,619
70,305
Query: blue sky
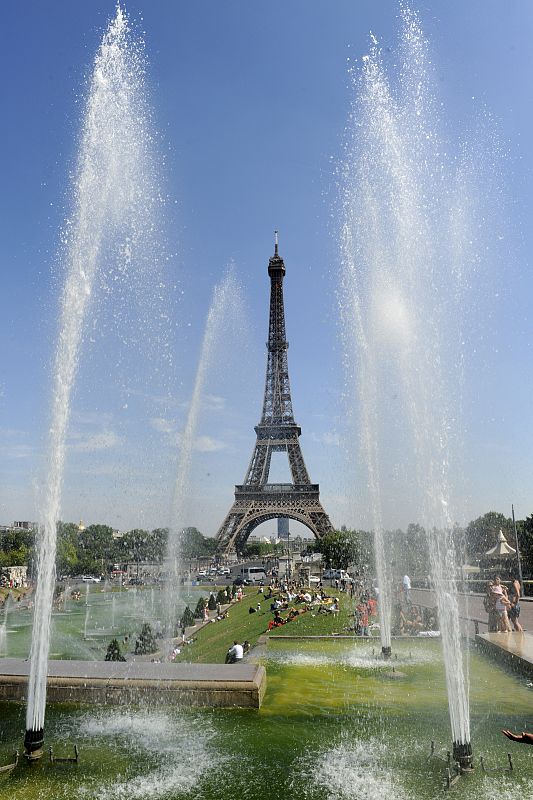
x,y
250,103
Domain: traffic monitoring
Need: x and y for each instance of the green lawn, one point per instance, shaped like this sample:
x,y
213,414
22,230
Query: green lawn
x,y
212,642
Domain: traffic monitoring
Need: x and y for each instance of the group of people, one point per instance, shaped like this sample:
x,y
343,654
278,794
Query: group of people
x,y
502,604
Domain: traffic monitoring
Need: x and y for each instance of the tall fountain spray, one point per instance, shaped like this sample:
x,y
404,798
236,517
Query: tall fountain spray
x,y
3,627
225,313
110,220
402,289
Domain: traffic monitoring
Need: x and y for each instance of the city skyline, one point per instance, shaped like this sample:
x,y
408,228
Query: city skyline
x,y
241,152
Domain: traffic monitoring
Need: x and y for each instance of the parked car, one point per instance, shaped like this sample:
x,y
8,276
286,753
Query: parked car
x,y
90,579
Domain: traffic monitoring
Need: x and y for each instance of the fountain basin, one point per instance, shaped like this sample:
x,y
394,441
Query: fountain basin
x,y
141,683
331,727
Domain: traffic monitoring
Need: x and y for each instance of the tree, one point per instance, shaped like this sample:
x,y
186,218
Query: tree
x,y
113,652
256,549
187,618
146,643
339,548
525,542
16,548
212,603
482,533
199,610
408,550
96,548
158,544
193,544
67,559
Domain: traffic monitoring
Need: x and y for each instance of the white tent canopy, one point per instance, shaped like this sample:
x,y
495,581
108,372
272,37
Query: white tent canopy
x,y
501,549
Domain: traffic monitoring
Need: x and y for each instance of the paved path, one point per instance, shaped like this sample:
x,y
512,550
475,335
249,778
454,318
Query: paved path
x,y
471,606
514,649
135,670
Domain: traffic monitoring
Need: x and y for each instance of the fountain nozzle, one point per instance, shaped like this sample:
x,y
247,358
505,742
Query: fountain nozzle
x,y
462,755
33,744
386,652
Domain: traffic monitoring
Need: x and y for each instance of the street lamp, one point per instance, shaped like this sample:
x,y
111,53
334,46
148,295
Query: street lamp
x,y
289,552
517,553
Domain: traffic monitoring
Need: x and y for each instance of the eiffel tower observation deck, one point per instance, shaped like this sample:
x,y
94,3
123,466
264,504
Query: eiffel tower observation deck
x,y
257,500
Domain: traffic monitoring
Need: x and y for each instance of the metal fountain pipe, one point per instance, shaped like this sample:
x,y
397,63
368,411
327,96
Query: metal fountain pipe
x,y
33,744
462,754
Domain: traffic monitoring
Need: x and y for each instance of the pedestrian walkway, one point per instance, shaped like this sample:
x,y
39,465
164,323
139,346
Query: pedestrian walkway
x,y
471,608
514,649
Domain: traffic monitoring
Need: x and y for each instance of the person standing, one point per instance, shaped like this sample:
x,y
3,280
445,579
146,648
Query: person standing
x,y
407,589
502,604
489,604
513,611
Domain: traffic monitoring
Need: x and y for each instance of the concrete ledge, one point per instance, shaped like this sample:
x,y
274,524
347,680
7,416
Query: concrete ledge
x,y
336,636
515,650
116,683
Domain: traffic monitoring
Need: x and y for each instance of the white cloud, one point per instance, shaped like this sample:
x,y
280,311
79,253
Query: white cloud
x,y
100,419
213,402
162,425
11,445
17,451
328,438
105,440
206,444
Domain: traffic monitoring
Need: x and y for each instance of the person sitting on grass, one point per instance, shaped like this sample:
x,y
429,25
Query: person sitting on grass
x,y
234,654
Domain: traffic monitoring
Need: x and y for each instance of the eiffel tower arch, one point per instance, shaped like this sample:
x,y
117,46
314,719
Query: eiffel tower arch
x,y
257,500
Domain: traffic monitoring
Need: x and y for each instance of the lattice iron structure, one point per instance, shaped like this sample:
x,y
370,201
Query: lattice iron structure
x,y
257,500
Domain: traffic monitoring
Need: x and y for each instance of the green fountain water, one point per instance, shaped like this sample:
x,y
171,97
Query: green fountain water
x,y
333,725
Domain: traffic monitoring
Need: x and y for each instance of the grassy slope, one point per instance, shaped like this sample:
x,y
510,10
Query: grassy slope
x,y
212,642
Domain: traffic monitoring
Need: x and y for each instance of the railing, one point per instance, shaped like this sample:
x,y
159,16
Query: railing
x,y
279,488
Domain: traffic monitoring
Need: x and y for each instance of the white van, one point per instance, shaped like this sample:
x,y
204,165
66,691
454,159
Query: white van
x,y
336,574
253,574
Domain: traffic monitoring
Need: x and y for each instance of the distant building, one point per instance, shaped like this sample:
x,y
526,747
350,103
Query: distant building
x,y
31,527
25,526
145,571
283,528
14,577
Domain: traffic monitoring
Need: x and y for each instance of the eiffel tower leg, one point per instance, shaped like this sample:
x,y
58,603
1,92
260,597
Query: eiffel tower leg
x,y
297,463
259,465
229,529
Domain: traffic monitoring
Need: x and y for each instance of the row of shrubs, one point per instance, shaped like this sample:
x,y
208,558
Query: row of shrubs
x,y
147,642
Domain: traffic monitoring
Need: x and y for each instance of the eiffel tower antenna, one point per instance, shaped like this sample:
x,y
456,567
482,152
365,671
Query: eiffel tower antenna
x,y
257,500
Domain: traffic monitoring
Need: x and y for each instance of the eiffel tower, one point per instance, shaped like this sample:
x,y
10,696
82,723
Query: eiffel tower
x,y
257,500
